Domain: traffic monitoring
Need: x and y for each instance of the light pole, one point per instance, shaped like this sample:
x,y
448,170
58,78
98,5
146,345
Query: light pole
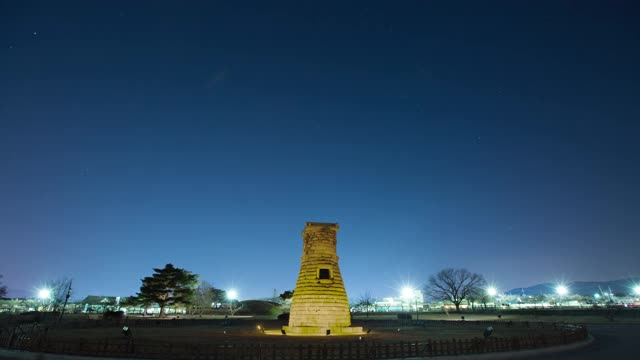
x,y
43,295
561,290
409,294
492,292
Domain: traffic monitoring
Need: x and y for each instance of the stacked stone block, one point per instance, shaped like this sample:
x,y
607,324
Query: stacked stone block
x,y
320,305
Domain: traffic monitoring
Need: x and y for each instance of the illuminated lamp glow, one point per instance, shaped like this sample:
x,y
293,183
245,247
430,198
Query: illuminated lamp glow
x,y
562,290
44,293
407,292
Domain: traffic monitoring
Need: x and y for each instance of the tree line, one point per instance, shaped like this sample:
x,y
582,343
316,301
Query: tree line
x,y
176,287
448,285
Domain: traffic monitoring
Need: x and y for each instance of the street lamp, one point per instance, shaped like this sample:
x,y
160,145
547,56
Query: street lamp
x,y
636,290
231,295
44,295
492,292
407,292
411,293
561,290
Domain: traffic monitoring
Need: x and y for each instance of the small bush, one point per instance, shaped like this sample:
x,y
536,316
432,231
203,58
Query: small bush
x,y
30,316
113,315
404,316
259,307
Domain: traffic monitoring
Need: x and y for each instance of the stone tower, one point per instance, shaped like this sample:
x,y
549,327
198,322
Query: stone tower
x,y
320,305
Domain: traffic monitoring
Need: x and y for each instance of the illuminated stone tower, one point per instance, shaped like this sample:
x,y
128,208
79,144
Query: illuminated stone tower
x,y
320,305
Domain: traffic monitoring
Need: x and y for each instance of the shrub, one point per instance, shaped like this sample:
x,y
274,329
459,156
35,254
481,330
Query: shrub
x,y
259,307
30,316
113,315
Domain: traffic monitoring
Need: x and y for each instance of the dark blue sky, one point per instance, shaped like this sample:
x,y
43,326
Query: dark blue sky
x,y
497,136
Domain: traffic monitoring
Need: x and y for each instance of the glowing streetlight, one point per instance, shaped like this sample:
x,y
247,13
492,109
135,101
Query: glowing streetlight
x,y
636,290
231,296
407,293
562,290
492,291
44,294
596,295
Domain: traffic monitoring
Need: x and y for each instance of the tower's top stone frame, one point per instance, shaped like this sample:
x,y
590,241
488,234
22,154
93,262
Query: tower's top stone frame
x,y
319,242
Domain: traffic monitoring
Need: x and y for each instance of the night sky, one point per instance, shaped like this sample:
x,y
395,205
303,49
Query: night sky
x,y
502,137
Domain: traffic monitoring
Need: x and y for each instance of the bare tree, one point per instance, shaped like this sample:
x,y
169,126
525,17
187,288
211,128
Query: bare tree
x,y
471,300
233,305
455,285
484,299
205,295
58,293
3,289
366,301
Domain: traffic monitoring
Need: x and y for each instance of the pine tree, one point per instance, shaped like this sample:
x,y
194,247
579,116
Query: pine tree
x,y
168,287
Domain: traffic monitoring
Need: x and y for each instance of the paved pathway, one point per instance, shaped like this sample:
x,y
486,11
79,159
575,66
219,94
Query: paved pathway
x,y
611,342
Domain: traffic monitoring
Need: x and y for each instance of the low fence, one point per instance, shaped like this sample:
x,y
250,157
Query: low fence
x,y
357,350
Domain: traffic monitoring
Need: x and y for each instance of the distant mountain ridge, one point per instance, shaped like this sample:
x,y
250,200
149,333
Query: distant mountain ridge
x,y
586,288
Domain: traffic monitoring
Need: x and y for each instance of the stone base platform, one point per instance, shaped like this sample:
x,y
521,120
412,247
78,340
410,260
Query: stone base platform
x,y
322,331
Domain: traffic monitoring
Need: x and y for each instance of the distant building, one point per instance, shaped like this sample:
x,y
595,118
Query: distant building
x,y
17,305
398,304
99,304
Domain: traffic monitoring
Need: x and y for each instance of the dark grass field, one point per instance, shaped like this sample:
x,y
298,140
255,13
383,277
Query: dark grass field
x,y
246,331
384,328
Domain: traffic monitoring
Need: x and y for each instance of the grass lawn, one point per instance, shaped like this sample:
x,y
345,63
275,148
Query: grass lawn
x,y
245,331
